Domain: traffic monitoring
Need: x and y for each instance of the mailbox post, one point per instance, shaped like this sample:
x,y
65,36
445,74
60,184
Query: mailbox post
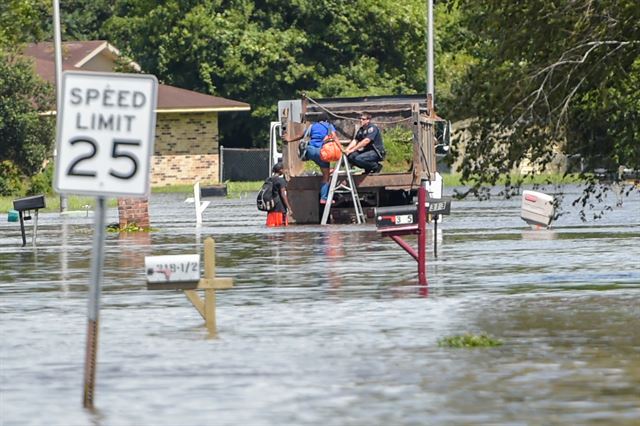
x,y
182,272
397,221
27,204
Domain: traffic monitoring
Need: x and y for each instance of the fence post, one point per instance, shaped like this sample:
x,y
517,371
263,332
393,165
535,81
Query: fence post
x,y
221,165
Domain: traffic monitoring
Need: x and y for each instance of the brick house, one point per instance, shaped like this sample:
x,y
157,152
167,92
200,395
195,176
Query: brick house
x,y
187,140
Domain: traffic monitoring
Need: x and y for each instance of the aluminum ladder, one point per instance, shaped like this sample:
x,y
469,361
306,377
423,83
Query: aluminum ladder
x,y
342,187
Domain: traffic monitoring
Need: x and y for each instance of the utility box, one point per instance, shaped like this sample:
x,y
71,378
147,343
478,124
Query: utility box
x,y
537,208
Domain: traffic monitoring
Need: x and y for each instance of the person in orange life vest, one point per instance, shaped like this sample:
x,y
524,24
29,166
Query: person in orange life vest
x,y
366,150
317,132
279,216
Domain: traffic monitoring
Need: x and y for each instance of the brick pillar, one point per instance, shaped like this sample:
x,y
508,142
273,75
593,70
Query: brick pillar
x,y
133,210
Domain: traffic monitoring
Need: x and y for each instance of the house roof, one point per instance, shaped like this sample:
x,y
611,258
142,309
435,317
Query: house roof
x,y
76,53
170,99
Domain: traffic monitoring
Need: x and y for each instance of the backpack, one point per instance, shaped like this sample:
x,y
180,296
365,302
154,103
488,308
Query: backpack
x,y
331,149
267,199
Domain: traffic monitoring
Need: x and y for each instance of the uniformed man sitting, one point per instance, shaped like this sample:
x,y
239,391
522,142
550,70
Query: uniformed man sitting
x,y
366,150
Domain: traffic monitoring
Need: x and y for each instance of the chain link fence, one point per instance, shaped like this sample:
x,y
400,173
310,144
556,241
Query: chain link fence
x,y
241,164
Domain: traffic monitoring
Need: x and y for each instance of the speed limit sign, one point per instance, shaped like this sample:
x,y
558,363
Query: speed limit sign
x,y
106,130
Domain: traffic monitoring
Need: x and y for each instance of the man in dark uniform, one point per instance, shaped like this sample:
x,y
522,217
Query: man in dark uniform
x,y
367,150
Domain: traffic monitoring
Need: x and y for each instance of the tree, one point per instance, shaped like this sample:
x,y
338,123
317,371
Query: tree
x,y
549,76
22,21
263,51
26,136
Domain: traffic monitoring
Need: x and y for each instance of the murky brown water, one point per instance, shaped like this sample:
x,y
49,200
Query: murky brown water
x,y
326,325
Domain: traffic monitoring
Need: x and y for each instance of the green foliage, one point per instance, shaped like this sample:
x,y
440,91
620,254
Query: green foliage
x,y
131,227
83,20
26,135
561,78
22,21
259,52
398,142
52,203
235,189
469,341
10,179
42,183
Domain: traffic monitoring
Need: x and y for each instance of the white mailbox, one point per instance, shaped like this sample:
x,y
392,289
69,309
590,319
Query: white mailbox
x,y
179,268
537,208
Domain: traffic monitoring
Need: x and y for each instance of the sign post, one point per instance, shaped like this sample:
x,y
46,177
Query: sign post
x,y
105,136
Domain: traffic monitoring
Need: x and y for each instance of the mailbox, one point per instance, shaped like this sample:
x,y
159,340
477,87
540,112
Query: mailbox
x,y
537,208
396,216
439,206
29,203
175,271
407,216
34,202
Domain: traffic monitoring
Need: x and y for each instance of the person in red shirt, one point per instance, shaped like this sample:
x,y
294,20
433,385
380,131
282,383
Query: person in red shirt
x,y
279,216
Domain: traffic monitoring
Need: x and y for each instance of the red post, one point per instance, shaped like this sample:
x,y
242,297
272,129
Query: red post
x,y
422,236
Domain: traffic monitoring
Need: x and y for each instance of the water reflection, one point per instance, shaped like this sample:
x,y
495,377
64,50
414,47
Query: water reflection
x,y
132,248
333,251
539,234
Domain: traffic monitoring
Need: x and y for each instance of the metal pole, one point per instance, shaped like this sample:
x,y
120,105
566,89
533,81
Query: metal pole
x,y
221,164
94,303
57,48
24,237
430,50
35,229
435,235
422,235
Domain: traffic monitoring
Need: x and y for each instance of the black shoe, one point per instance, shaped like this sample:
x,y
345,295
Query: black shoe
x,y
377,168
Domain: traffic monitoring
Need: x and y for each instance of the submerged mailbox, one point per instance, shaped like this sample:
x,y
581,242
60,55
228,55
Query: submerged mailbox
x,y
396,216
537,208
29,203
407,216
175,270
34,202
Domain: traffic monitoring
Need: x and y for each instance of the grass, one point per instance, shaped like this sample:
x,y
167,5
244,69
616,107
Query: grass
x,y
52,203
233,188
469,341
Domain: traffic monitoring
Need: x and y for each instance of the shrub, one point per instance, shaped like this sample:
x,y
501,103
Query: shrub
x,y
398,142
42,183
11,182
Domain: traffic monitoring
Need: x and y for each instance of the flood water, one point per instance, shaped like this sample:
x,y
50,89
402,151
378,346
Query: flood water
x,y
327,325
